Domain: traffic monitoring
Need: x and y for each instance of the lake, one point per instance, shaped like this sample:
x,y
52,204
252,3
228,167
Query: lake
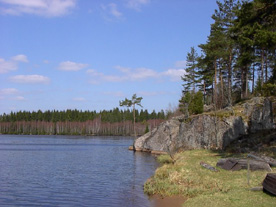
x,y
72,171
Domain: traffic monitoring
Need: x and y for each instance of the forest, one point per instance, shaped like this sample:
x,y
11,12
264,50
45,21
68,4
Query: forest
x,y
75,122
237,61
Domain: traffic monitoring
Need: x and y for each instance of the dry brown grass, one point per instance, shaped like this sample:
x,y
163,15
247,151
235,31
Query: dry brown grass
x,y
187,178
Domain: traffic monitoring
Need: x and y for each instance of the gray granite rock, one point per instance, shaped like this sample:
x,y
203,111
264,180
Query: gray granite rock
x,y
208,130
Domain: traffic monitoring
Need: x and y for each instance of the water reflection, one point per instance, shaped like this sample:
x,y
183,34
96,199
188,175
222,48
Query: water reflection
x,y
72,171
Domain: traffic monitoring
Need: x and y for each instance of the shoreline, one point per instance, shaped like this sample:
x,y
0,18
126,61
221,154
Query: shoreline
x,y
168,201
155,152
195,185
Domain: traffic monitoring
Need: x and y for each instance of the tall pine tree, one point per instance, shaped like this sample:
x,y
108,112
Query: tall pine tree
x,y
190,78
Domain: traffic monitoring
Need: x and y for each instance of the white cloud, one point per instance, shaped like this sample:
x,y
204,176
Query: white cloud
x,y
99,77
30,79
128,74
174,74
180,64
114,10
136,4
48,8
20,58
19,98
111,10
9,94
123,69
8,91
94,72
137,74
7,66
12,64
114,78
71,66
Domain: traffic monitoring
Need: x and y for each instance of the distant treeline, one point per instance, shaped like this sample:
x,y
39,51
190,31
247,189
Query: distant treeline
x,y
75,122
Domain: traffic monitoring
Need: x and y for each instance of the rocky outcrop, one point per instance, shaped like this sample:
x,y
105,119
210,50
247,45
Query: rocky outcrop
x,y
209,130
160,138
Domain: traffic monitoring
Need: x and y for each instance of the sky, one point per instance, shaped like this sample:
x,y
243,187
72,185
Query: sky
x,y
90,54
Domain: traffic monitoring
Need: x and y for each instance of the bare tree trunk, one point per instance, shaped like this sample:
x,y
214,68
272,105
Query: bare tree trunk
x,y
230,81
266,76
134,121
246,82
242,83
221,89
215,83
262,67
204,92
253,79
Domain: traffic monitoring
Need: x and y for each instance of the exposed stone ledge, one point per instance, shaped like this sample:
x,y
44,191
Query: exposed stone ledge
x,y
212,130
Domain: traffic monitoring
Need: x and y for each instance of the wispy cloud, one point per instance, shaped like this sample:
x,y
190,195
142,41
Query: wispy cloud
x,y
110,11
127,74
114,93
114,10
137,74
20,58
174,74
155,93
7,66
71,66
19,98
48,8
180,64
136,4
151,93
12,64
8,91
11,94
34,79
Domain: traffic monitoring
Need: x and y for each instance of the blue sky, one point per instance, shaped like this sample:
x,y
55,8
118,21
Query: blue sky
x,y
90,54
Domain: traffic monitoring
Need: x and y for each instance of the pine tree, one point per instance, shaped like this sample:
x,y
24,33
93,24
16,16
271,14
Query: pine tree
x,y
196,106
243,34
191,103
132,103
190,78
224,17
264,23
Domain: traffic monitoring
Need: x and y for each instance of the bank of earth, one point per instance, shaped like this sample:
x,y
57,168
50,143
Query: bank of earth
x,y
198,185
246,127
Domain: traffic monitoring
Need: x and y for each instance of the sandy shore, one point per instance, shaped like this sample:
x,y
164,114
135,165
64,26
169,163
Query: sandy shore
x,y
158,201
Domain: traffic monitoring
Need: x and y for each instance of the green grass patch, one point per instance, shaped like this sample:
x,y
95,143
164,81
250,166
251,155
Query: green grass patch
x,y
164,159
201,186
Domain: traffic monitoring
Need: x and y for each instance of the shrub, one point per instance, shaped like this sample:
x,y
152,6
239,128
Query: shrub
x,y
192,103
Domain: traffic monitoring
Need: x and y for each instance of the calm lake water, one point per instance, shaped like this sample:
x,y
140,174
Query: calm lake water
x,y
72,171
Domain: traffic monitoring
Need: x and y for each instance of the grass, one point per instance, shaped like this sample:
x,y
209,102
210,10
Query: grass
x,y
201,186
164,159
